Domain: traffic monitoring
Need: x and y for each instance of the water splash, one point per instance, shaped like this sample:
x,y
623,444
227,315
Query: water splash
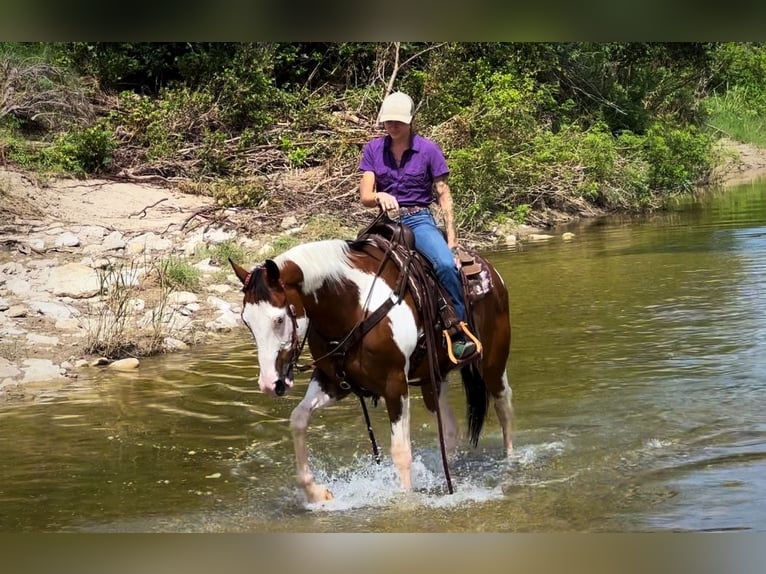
x,y
477,477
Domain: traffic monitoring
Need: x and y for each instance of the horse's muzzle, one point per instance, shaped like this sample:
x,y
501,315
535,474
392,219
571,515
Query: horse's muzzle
x,y
280,387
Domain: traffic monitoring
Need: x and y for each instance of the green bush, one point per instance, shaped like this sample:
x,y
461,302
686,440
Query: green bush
x,y
80,152
678,157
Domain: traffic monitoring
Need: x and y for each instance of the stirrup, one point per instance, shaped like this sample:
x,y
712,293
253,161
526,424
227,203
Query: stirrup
x,y
471,336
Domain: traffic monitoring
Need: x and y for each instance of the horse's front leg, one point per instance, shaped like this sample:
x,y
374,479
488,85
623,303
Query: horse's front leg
x,y
314,399
401,449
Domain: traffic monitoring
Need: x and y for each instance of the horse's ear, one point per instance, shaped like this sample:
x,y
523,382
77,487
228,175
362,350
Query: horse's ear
x,y
272,271
240,271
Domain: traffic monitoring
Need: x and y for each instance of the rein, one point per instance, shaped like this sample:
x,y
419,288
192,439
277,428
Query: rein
x,y
363,327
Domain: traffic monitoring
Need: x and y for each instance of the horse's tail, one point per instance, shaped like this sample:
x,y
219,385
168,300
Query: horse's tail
x,y
477,400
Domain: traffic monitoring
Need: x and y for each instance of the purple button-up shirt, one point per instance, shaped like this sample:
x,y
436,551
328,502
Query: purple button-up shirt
x,y
412,182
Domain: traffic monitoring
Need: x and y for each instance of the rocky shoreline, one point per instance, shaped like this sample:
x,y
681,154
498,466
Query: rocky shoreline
x,y
52,285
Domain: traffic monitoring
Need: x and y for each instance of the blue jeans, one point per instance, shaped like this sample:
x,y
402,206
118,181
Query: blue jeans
x,y
430,242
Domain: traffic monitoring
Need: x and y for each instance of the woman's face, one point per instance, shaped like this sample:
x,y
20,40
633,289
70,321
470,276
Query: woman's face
x,y
397,130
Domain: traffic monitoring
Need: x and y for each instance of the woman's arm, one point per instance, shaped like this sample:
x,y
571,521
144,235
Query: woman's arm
x,y
367,193
444,196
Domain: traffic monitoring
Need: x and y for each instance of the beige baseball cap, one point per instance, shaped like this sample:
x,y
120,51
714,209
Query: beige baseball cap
x,y
396,107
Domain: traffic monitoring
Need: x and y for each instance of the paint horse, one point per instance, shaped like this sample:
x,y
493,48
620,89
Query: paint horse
x,y
320,292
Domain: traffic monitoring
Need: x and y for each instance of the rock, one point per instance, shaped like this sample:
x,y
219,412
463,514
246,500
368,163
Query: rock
x,y
8,369
182,298
568,236
19,287
136,305
41,370
170,319
134,248
219,289
128,364
148,242
510,239
100,263
74,280
91,233
288,222
42,340
12,268
219,303
206,267
54,310
539,237
42,264
17,311
113,241
218,236
67,324
67,239
224,322
37,245
127,276
172,344
193,242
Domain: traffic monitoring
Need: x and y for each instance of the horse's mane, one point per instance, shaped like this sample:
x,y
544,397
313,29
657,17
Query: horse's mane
x,y
319,261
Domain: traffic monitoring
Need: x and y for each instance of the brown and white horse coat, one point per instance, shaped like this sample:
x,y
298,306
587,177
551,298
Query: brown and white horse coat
x,y
334,286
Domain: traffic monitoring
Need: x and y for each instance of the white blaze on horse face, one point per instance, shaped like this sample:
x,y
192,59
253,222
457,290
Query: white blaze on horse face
x,y
271,328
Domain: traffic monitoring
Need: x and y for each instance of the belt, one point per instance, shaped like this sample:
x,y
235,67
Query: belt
x,y
411,209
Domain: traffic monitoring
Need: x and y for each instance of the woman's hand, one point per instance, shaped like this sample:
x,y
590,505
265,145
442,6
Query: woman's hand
x,y
386,201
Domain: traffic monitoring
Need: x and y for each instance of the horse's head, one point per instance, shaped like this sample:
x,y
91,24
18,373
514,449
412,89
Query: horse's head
x,y
274,323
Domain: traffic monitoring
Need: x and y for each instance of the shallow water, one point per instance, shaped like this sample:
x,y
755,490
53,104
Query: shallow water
x,y
638,386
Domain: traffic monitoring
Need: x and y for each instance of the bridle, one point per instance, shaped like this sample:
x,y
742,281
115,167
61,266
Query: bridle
x,y
296,346
295,351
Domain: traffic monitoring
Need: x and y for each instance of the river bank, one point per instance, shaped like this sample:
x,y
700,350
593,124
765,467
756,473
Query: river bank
x,y
61,240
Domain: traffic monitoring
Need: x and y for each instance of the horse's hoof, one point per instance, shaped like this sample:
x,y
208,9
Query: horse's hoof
x,y
319,494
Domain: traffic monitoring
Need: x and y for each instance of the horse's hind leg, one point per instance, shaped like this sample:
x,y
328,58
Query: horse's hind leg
x,y
314,399
504,410
449,422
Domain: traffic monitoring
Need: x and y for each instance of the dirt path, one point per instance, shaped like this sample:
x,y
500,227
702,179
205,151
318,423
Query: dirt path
x,y
128,207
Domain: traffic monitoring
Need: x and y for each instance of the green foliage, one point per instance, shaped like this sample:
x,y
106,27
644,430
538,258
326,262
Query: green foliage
x,y
164,125
177,273
81,151
220,253
740,65
229,192
678,157
296,154
740,114
629,85
526,126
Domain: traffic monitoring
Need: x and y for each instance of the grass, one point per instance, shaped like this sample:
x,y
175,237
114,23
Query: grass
x,y
220,253
739,115
115,330
177,273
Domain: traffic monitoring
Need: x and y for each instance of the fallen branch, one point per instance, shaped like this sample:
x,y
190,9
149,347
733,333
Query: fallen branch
x,y
142,213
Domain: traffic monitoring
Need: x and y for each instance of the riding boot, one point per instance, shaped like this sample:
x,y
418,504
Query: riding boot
x,y
462,348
